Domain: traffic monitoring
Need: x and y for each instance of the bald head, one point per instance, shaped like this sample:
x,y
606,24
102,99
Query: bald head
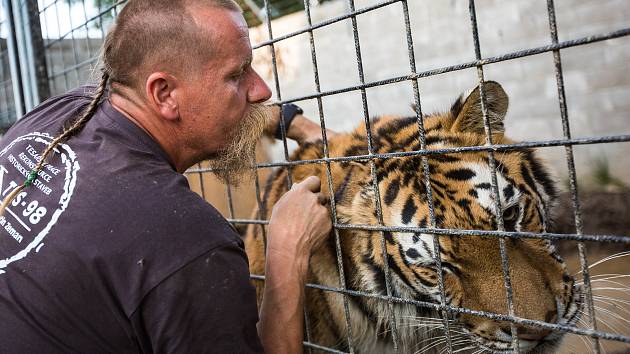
x,y
159,35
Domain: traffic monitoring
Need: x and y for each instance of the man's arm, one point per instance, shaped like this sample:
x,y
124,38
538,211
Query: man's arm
x,y
207,306
302,129
300,223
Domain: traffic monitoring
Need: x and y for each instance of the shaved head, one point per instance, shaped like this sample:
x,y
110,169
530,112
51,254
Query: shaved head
x,y
158,35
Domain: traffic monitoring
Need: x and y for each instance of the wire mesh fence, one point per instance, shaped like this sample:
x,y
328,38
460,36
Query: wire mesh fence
x,y
71,49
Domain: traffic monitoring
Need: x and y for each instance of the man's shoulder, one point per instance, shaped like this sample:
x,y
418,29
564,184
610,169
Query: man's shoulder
x,y
49,115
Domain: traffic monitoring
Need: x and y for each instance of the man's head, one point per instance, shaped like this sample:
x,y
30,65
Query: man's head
x,y
182,71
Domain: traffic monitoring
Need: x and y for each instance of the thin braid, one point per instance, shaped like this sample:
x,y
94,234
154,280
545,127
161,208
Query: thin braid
x,y
67,133
78,124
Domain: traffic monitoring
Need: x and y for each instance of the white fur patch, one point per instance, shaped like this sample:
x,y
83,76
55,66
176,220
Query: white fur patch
x,y
483,176
417,248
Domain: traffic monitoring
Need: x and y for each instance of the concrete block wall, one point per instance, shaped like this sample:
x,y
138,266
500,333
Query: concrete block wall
x,y
596,75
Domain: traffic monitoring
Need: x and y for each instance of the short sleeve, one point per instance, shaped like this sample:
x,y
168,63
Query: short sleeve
x,y
208,306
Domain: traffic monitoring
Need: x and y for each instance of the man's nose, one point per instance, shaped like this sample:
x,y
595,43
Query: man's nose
x,y
258,91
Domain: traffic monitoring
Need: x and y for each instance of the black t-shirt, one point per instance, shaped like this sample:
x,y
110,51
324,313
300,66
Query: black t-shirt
x,y
109,251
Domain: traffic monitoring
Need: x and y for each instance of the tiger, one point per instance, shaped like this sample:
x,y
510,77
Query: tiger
x,y
462,192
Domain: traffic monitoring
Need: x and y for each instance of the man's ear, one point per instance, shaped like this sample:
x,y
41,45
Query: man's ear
x,y
467,113
160,89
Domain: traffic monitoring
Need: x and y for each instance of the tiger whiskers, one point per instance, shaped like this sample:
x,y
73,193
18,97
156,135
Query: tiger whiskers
x,y
457,339
609,258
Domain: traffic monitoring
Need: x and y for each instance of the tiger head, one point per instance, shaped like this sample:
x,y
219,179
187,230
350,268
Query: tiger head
x,y
461,185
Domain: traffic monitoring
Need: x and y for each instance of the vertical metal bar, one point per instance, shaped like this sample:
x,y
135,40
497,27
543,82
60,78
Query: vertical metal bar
x,y
66,85
377,194
201,185
262,210
24,54
333,205
283,130
87,30
39,52
427,175
276,79
566,130
52,84
14,62
75,55
495,188
228,190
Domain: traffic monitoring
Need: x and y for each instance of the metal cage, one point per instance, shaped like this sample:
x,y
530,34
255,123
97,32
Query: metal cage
x,y
66,58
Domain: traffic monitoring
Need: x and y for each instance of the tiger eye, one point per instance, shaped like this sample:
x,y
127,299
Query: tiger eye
x,y
511,213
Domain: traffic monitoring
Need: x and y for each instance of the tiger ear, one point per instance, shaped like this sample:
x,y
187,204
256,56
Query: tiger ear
x,y
469,116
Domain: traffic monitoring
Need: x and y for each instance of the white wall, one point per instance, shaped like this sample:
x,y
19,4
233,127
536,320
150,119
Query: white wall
x,y
596,75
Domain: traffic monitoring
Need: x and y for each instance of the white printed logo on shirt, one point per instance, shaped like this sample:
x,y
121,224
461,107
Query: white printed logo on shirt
x,y
26,221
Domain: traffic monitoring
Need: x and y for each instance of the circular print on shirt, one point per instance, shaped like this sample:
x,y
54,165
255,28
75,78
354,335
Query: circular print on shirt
x,y
35,210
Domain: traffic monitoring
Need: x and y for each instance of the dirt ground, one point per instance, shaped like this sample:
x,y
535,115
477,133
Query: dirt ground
x,y
602,213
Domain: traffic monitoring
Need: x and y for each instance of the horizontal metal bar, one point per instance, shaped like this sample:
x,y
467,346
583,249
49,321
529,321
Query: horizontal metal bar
x,y
624,239
326,23
468,65
461,310
94,18
455,150
48,6
72,68
490,233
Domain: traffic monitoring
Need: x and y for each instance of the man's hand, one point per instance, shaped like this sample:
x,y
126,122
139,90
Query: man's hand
x,y
300,222
299,225
302,129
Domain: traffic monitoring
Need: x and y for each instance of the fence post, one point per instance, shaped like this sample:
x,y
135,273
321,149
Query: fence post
x,y
14,62
31,52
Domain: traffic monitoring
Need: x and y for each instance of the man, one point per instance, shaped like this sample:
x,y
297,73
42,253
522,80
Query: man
x,y
103,247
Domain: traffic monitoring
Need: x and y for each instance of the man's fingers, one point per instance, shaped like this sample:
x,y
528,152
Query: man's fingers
x,y
312,183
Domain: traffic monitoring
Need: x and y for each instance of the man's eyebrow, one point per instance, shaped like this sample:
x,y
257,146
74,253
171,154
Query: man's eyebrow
x,y
247,62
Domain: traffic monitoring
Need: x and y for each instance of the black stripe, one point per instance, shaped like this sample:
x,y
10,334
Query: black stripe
x,y
508,192
392,191
409,210
395,125
484,185
355,150
542,176
529,179
461,174
339,194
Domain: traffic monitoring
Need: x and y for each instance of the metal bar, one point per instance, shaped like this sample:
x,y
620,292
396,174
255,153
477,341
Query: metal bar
x,y
461,310
461,232
329,180
505,265
566,130
325,23
283,130
427,175
454,150
472,64
66,85
322,348
39,52
93,18
377,194
276,79
14,61
48,6
75,54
